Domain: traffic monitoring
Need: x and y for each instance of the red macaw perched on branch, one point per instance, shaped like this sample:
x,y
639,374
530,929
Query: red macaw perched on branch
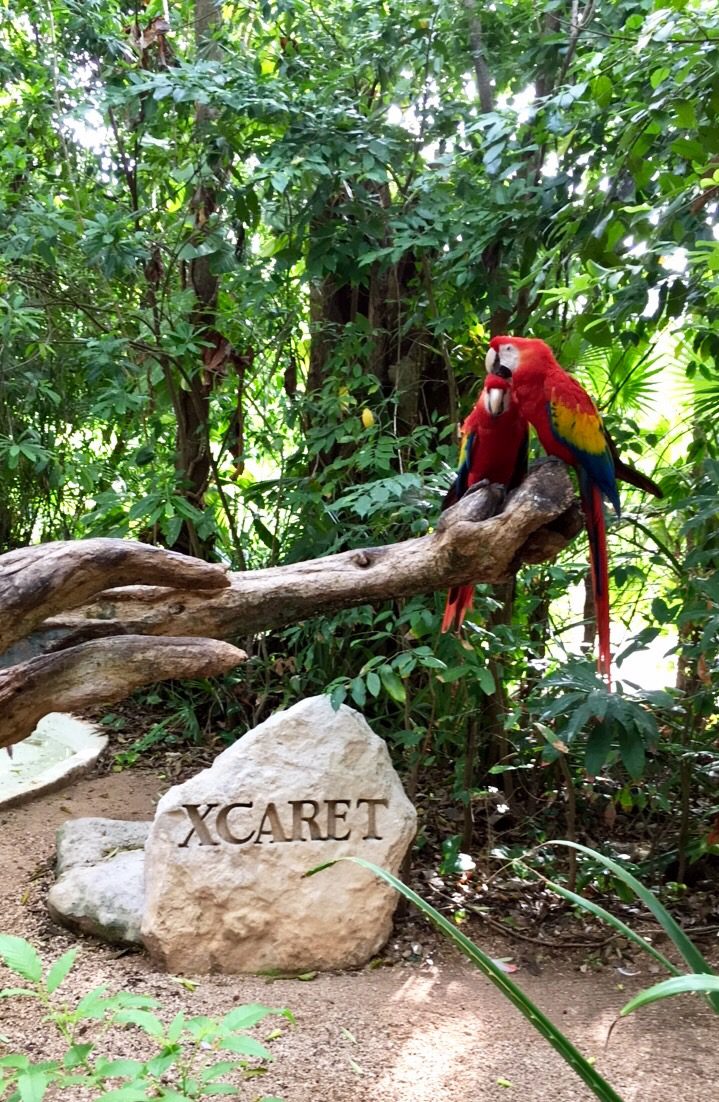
x,y
493,449
568,426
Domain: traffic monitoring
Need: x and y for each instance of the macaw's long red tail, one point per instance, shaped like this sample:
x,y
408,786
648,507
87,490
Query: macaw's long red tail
x,y
459,601
593,507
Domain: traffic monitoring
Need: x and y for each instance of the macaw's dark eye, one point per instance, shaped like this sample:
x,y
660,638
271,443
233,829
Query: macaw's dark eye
x,y
503,372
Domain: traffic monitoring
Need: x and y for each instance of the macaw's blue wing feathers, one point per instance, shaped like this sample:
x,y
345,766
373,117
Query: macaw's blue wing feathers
x,y
582,432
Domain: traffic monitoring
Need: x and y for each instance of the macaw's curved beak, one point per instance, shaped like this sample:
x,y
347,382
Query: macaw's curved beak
x,y
497,401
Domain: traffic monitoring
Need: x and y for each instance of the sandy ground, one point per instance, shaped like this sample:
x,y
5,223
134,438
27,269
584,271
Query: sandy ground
x,y
410,1033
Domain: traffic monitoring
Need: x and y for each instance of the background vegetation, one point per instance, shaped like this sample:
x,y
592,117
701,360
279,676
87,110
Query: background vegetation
x,y
228,231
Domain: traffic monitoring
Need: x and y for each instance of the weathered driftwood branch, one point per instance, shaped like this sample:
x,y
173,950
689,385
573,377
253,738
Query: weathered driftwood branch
x,y
472,542
36,582
106,670
469,544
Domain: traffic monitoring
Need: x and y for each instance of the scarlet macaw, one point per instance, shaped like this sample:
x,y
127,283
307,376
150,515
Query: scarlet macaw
x,y
493,448
568,426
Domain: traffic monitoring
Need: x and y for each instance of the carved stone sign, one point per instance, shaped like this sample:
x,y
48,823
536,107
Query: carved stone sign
x,y
307,821
226,856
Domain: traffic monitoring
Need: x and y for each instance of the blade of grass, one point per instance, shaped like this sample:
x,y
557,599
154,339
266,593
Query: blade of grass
x,y
696,961
609,918
678,985
596,1083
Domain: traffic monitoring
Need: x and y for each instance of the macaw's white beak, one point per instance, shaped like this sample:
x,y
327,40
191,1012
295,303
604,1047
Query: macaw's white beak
x,y
497,401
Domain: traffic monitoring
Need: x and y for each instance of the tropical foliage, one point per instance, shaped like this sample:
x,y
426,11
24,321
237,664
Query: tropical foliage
x,y
250,254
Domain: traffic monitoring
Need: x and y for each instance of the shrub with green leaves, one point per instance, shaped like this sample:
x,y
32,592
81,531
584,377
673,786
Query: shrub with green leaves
x,y
188,1059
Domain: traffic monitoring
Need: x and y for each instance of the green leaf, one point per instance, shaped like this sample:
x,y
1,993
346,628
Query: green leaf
x,y
683,944
171,528
338,696
374,685
606,916
280,180
358,691
32,1085
221,1067
659,75
175,1028
245,1017
631,749
454,673
77,1054
169,1094
264,533
686,115
602,88
59,970
486,680
93,1005
599,744
200,1027
158,1065
146,1021
678,985
124,1068
14,1060
20,957
245,1046
393,684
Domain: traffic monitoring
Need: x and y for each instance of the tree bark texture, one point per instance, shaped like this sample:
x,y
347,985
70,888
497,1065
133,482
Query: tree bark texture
x,y
105,670
65,595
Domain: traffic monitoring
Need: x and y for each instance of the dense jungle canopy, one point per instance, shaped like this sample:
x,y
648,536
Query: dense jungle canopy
x,y
250,257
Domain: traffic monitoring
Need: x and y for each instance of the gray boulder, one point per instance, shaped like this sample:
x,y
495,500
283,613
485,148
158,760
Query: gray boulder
x,y
100,885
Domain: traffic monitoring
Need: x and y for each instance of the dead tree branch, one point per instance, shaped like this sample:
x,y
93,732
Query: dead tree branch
x,y
37,582
106,671
472,542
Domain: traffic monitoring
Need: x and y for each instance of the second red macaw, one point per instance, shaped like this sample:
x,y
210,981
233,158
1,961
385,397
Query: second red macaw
x,y
493,448
568,426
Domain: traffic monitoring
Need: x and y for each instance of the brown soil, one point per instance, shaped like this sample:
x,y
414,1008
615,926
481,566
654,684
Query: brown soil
x,y
413,1032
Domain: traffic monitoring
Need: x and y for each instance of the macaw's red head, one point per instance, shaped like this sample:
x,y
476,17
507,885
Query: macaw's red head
x,y
497,394
507,354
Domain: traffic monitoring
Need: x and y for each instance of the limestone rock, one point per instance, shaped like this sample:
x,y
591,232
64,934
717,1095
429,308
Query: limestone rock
x,y
224,864
100,885
92,840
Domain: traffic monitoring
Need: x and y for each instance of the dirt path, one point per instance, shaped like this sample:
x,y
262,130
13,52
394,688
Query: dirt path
x,y
411,1033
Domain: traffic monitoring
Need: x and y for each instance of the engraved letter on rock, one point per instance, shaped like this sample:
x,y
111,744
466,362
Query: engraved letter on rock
x,y
333,816
372,817
199,826
223,827
275,828
298,818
